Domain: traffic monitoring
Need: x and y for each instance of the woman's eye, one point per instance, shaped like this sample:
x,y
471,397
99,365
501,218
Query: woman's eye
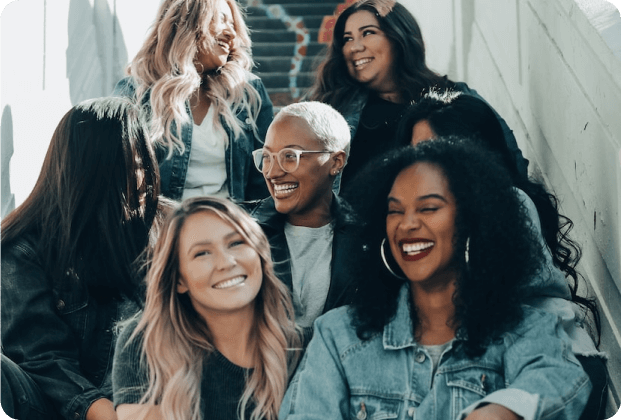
x,y
394,211
428,209
201,254
346,39
368,32
290,156
237,243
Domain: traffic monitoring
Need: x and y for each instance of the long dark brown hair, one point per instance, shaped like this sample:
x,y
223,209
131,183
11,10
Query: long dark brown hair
x,y
333,84
95,199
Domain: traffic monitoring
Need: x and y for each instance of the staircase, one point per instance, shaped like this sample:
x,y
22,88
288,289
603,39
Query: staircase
x,y
284,44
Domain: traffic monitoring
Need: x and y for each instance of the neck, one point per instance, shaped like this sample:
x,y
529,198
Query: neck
x,y
391,96
435,311
316,217
233,336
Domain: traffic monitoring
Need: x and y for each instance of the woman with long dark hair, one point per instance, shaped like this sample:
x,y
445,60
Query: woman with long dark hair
x,y
439,327
70,263
374,68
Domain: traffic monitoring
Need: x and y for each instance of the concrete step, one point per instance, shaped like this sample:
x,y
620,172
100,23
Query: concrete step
x,y
281,79
298,9
286,2
264,22
279,35
272,49
282,64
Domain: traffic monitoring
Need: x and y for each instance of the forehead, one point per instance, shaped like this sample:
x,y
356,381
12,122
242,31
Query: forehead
x,y
360,19
419,180
290,131
204,226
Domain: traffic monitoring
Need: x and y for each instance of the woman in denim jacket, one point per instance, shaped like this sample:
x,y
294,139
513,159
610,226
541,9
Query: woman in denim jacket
x,y
207,111
374,68
69,263
438,328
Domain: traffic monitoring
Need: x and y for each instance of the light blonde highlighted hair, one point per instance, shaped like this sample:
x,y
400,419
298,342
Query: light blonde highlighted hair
x,y
164,68
175,338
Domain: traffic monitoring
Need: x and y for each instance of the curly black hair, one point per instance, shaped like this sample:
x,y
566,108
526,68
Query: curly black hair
x,y
452,113
503,250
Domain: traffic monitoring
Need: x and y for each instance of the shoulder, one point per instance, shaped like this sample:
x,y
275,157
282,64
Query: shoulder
x,y
336,325
125,87
22,247
535,323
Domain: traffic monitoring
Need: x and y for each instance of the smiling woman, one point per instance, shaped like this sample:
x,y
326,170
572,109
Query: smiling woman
x,y
309,227
207,110
216,338
374,68
439,327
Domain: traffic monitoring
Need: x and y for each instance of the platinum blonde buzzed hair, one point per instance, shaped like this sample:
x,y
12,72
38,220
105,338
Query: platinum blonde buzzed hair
x,y
328,125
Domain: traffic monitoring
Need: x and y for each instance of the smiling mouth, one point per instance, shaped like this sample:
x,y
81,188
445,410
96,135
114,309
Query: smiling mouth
x,y
361,62
235,281
284,190
413,251
225,46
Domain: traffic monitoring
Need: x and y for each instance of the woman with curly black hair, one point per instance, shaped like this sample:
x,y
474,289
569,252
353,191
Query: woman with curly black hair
x,y
438,328
556,291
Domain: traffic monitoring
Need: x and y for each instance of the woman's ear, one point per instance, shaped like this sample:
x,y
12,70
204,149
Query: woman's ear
x,y
181,287
338,162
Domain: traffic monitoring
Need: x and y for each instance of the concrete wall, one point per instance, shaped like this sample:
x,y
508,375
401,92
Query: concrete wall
x,y
552,69
54,54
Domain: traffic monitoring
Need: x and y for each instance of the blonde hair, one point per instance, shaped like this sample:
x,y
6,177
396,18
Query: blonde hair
x,y
164,67
175,338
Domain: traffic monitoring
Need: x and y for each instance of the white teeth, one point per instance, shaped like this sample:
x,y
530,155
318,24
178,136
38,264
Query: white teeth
x,y
230,283
224,45
417,247
362,61
282,189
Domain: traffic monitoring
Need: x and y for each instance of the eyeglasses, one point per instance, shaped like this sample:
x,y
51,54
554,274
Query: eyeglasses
x,y
288,159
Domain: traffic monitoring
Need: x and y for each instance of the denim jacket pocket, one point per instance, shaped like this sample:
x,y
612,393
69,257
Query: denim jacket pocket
x,y
368,407
468,386
73,310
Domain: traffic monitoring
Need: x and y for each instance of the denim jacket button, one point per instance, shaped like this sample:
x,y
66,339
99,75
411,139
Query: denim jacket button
x,y
76,415
248,121
60,305
420,357
411,411
362,413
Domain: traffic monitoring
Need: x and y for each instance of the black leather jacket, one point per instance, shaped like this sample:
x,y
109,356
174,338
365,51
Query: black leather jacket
x,y
342,285
64,340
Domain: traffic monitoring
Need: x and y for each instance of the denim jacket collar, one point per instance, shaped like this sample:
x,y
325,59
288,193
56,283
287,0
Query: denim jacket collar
x,y
399,332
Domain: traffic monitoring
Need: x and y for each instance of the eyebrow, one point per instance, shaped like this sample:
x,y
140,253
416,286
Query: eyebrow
x,y
421,198
362,28
289,146
203,243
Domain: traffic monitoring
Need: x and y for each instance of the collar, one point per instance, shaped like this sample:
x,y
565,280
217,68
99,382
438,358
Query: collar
x,y
265,213
399,332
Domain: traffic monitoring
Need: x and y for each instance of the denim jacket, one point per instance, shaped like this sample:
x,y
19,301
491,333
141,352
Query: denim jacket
x,y
353,110
244,181
64,340
531,370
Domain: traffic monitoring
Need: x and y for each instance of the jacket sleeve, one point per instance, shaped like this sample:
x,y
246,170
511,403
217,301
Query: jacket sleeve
x,y
130,378
544,378
319,389
37,339
256,188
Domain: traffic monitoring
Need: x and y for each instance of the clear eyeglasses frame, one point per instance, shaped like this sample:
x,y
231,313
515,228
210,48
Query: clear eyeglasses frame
x,y
288,159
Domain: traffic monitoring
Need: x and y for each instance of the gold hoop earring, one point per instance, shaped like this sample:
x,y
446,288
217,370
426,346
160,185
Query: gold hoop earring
x,y
198,63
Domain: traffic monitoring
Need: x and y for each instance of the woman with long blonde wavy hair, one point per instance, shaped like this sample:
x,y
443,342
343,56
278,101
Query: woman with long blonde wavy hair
x,y
208,112
216,338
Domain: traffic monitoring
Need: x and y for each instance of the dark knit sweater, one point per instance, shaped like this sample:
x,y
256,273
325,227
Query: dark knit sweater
x,y
222,383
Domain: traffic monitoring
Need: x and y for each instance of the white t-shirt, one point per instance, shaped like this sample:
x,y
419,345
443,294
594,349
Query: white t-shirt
x,y
207,166
311,257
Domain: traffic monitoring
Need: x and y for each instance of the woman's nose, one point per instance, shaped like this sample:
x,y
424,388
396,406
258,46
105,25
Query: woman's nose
x,y
225,260
410,221
274,170
356,45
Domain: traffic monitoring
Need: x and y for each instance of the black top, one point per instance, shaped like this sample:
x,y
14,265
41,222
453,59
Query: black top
x,y
222,382
374,136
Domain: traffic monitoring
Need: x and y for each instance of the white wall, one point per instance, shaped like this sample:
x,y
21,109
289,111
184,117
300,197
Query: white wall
x,y
553,70
54,54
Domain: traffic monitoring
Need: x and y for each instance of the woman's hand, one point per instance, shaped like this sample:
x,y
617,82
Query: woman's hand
x,y
493,412
102,409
